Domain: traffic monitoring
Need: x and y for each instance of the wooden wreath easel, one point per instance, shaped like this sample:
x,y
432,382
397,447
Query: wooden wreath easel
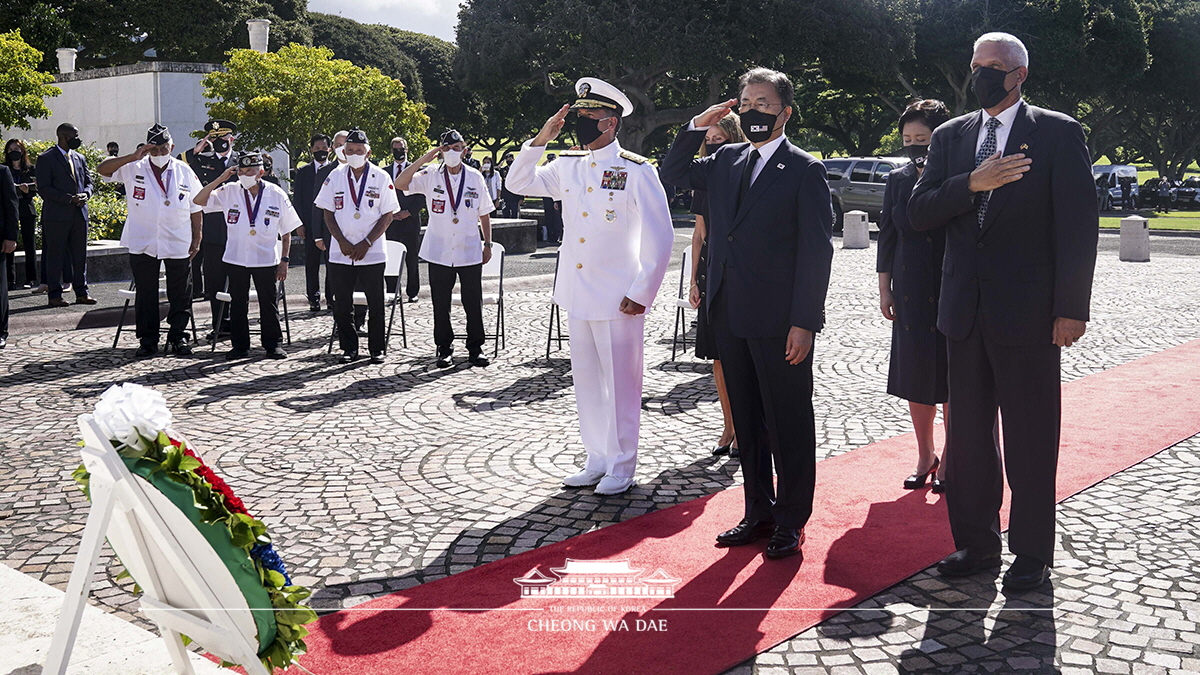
x,y
187,590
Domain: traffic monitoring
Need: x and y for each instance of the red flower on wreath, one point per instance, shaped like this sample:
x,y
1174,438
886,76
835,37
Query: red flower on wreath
x,y
232,502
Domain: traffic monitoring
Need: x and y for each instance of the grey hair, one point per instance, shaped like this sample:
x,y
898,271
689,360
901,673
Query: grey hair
x,y
1015,52
341,134
783,85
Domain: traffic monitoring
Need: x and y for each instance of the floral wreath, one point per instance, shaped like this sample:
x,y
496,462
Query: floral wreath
x,y
138,420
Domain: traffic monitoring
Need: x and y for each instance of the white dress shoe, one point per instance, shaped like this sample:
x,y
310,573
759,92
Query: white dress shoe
x,y
583,478
611,485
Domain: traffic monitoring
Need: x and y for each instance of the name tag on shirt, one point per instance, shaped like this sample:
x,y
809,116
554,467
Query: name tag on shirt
x,y
438,206
338,202
232,217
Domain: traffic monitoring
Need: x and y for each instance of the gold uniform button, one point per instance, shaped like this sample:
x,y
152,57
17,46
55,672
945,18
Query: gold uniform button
x,y
578,266
589,189
593,164
581,240
585,214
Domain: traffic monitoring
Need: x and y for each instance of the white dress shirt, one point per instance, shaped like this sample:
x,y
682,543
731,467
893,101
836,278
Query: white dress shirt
x,y
446,242
276,218
764,153
1002,132
158,224
379,197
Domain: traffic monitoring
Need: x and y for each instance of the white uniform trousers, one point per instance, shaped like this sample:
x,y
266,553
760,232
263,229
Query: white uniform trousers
x,y
606,366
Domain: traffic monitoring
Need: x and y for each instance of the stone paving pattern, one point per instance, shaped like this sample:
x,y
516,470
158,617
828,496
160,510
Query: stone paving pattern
x,y
376,478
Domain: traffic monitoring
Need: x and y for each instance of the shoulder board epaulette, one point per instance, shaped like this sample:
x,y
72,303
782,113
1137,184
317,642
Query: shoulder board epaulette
x,y
573,153
633,157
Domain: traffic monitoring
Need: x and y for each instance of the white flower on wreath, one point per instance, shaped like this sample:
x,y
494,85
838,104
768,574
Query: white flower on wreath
x,y
130,412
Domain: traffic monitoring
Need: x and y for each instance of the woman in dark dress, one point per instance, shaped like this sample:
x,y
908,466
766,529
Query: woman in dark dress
x,y
910,273
17,160
725,131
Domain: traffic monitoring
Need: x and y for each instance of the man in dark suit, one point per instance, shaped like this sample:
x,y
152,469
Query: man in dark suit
x,y
304,193
406,226
770,252
65,185
9,227
1012,185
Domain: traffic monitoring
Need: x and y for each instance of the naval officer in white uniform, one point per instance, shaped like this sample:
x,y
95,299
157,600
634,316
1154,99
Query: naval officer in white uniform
x,y
616,248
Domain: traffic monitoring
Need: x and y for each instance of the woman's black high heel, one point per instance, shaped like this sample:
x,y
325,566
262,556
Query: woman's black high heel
x,y
917,481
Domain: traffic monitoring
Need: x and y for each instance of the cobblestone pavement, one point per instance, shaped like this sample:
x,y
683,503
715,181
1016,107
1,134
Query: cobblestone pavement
x,y
376,478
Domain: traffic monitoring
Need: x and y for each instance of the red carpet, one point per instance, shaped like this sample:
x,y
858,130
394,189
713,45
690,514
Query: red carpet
x,y
867,535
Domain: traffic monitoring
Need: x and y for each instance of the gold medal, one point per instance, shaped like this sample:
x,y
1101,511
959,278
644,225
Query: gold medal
x,y
455,221
253,232
166,202
357,215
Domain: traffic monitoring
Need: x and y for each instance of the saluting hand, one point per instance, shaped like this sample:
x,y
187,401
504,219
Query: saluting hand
x,y
553,127
142,151
714,114
997,171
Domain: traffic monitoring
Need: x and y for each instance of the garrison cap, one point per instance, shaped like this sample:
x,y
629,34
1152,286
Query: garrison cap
x,y
450,137
220,127
248,160
158,135
596,93
357,136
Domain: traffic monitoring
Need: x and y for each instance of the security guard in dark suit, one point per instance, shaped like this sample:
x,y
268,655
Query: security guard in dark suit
x,y
406,228
209,159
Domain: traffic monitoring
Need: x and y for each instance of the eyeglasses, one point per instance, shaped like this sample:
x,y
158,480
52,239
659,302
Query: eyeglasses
x,y
760,106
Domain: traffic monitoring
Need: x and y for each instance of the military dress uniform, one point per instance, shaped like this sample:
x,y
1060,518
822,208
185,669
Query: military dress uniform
x,y
208,269
158,234
255,226
616,244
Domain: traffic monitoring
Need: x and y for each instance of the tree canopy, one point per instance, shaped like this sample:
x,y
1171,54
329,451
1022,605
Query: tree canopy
x,y
280,99
23,88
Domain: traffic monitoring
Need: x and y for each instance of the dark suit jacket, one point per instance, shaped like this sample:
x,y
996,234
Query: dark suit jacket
x,y
772,255
318,215
1034,256
57,185
411,203
9,223
304,193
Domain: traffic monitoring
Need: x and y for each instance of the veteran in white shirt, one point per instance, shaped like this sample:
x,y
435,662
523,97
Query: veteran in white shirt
x,y
616,248
259,220
358,200
162,229
458,241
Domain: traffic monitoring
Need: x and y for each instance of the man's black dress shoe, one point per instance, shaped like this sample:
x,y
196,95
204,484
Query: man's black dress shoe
x,y
276,352
785,542
314,306
348,357
234,354
444,360
3,342
479,361
377,358
85,300
746,532
966,562
58,302
1025,574
179,347
145,351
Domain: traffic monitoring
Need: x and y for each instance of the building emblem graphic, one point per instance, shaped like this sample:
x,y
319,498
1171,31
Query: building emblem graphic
x,y
597,578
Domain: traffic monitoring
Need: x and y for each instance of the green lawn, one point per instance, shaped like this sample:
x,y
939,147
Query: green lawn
x,y
1178,220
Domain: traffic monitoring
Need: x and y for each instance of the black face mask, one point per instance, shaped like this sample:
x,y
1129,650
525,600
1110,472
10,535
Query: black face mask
x,y
917,154
74,143
320,155
711,148
399,154
988,84
14,156
757,125
587,130
220,145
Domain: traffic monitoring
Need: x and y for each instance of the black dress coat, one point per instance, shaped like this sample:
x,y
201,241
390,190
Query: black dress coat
x,y
706,341
917,370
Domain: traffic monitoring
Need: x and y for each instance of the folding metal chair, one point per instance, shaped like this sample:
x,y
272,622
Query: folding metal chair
x,y
554,333
224,298
130,295
397,254
493,269
682,304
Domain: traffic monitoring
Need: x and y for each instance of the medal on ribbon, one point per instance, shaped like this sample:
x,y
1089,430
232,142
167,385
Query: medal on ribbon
x,y
252,211
163,185
362,187
455,200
